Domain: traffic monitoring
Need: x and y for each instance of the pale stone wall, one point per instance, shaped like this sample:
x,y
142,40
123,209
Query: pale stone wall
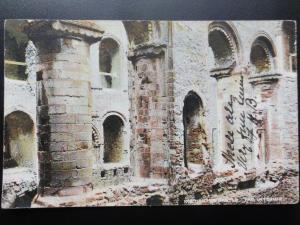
x,y
191,68
193,61
111,101
20,95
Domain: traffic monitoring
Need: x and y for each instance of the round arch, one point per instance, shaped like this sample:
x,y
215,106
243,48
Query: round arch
x,y
19,141
225,44
263,53
113,133
194,131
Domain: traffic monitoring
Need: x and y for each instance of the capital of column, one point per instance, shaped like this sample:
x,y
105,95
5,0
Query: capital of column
x,y
79,29
147,50
266,78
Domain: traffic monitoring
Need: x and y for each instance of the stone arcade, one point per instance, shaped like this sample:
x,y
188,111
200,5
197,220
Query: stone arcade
x,y
146,112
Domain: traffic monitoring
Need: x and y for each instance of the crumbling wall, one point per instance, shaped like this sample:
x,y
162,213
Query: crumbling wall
x,y
18,183
191,59
289,120
109,102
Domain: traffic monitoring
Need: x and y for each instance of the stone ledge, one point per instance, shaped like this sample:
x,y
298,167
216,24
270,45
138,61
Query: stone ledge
x,y
149,50
264,78
61,28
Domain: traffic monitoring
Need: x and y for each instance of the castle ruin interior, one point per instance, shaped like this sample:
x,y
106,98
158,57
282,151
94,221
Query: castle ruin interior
x,y
104,113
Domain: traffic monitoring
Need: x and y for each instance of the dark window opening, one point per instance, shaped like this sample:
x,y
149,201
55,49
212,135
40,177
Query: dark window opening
x,y
262,54
113,139
39,75
103,172
194,134
260,59
222,50
109,62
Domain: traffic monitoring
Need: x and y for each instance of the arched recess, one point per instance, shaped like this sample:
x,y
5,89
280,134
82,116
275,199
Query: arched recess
x,y
113,134
109,62
224,44
262,55
289,33
19,143
194,133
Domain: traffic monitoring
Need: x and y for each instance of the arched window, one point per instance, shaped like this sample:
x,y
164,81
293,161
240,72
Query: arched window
x,y
223,43
194,133
15,48
289,30
109,63
113,139
261,56
19,140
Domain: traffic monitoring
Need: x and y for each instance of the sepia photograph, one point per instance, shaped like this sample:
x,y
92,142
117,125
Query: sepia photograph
x,y
149,113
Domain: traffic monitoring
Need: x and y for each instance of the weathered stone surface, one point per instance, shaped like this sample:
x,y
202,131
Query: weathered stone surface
x,y
147,93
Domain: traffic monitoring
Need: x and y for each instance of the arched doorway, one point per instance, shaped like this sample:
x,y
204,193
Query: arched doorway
x,y
19,142
113,139
194,133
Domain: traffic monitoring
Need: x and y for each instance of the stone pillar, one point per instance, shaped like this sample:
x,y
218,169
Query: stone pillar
x,y
236,131
267,88
63,104
224,87
150,109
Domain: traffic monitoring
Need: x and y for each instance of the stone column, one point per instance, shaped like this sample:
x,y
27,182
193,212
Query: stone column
x,y
223,92
267,88
63,104
150,109
235,150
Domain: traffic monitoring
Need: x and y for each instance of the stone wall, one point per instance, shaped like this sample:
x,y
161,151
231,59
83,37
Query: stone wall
x,y
191,73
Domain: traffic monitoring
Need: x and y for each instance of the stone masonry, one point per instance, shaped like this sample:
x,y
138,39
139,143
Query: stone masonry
x,y
152,112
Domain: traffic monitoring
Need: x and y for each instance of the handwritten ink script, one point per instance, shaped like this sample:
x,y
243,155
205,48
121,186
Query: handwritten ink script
x,y
241,111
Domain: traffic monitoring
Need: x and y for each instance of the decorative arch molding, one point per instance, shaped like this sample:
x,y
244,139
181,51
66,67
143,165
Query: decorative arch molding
x,y
230,33
114,113
95,136
264,37
263,41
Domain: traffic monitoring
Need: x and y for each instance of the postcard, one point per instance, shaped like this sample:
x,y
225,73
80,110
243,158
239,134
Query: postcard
x,y
149,113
